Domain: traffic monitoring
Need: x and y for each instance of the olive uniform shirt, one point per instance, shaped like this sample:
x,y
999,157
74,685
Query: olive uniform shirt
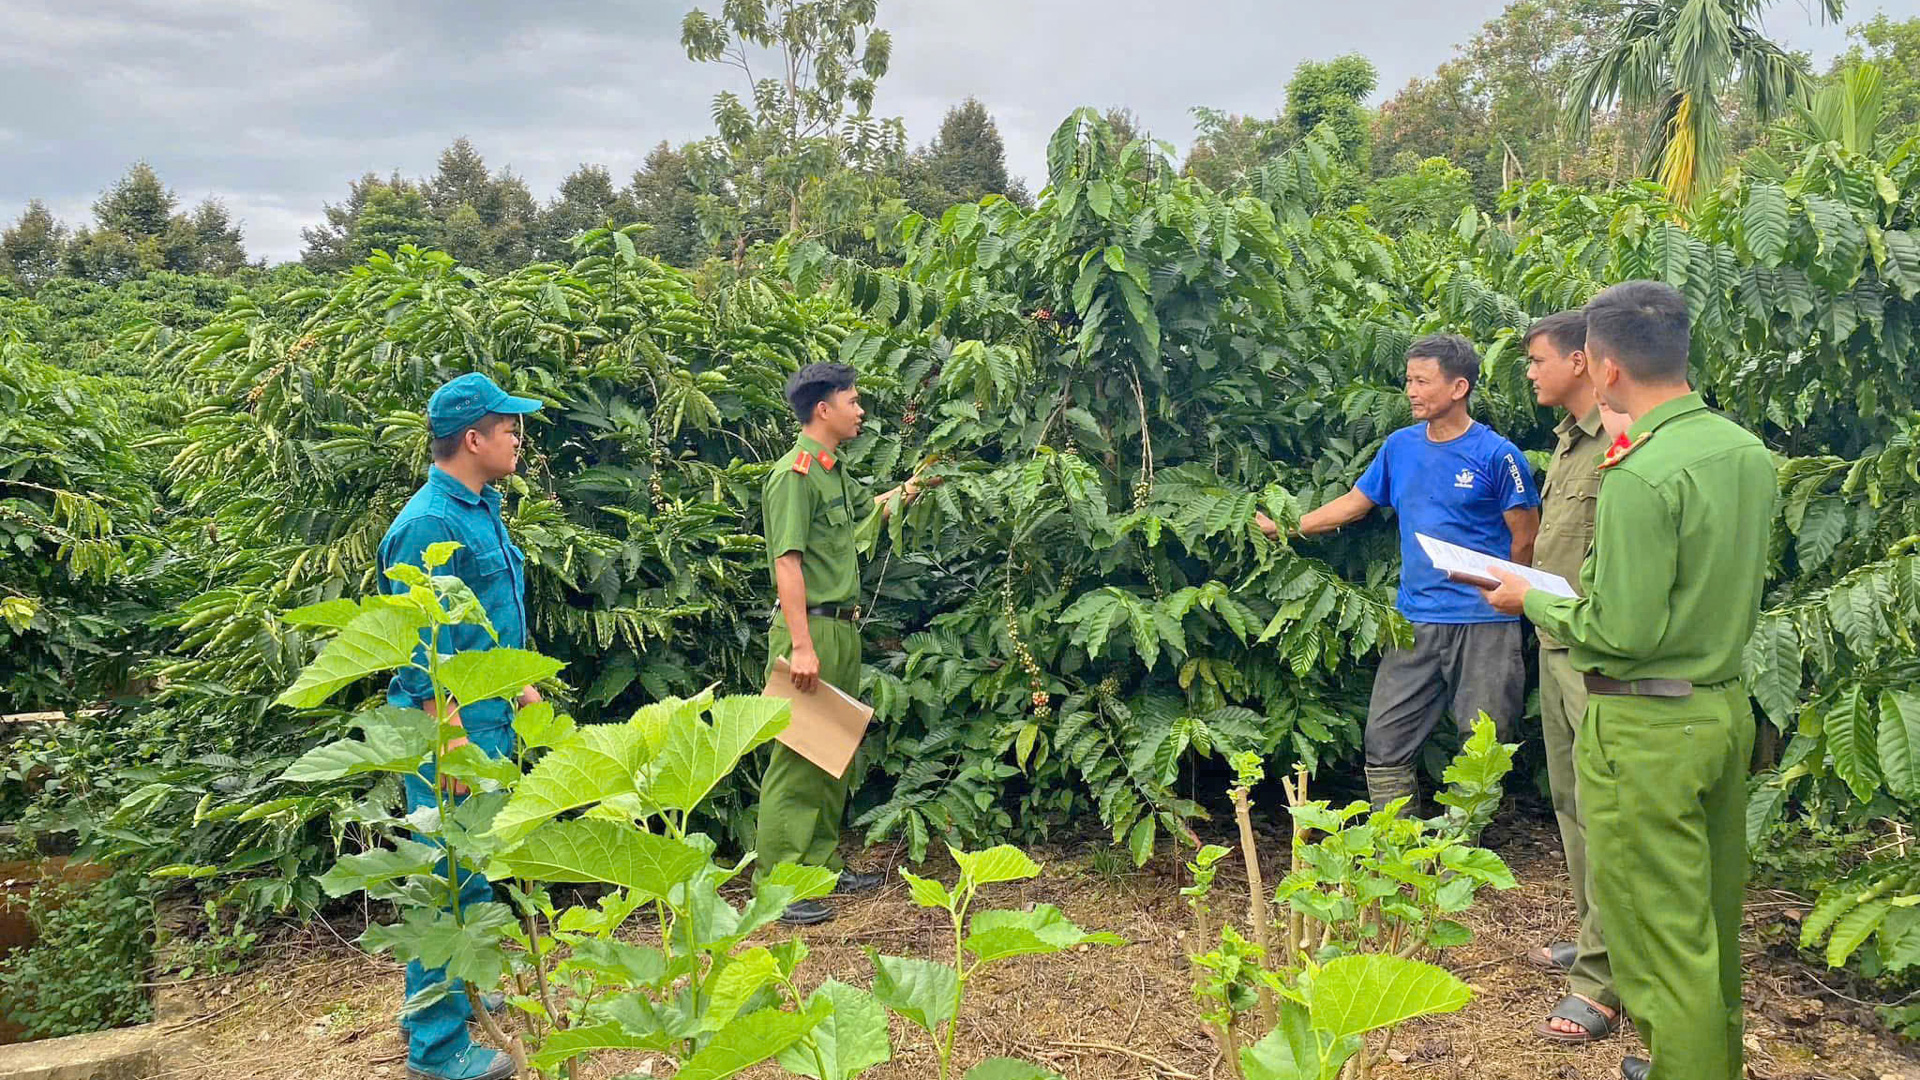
x,y
1659,602
810,507
1567,499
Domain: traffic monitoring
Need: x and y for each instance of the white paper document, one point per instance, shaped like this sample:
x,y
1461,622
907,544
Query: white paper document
x,y
1470,566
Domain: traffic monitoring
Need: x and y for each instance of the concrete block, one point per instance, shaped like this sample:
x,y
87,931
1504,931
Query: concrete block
x,y
132,1053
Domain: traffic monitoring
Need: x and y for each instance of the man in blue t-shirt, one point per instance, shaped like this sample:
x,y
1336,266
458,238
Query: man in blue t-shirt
x,y
1456,480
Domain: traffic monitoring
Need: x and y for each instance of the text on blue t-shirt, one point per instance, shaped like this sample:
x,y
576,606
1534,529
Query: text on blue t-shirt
x,y
1455,491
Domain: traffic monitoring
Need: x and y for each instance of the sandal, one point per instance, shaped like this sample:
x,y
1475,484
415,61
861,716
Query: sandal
x,y
1557,958
1595,1025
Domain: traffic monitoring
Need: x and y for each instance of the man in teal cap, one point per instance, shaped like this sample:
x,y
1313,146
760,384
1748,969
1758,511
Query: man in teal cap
x,y
475,429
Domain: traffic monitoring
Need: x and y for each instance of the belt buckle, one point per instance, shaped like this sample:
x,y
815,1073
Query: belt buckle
x,y
854,614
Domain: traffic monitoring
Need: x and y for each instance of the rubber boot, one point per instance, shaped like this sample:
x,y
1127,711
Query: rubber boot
x,y
1390,782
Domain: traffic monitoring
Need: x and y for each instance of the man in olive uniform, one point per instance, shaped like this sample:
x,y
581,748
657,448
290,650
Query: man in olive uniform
x,y
1557,366
812,509
1671,594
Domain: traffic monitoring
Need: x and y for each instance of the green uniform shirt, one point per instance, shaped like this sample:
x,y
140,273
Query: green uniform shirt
x,y
1567,498
810,505
1672,589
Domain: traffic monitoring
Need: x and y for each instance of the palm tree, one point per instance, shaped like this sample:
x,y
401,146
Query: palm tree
x,y
1680,59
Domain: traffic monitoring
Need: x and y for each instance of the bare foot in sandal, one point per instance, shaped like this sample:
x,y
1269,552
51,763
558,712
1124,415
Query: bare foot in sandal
x,y
1578,1019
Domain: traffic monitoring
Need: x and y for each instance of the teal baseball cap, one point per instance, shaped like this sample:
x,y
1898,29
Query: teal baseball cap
x,y
463,401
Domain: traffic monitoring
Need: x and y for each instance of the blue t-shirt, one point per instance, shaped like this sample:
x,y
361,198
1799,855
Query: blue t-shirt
x,y
1454,491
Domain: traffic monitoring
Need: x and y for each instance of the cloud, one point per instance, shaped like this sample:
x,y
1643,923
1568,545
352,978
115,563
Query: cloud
x,y
274,106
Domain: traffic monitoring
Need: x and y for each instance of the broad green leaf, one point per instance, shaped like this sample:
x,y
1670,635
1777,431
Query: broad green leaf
x,y
353,873
469,947
996,935
334,613
1763,806
920,990
536,725
483,674
587,849
1899,743
995,864
378,639
560,1047
745,974
927,892
597,762
697,755
1852,727
394,741
439,553
469,764
851,1040
750,1040
1853,929
1353,995
639,965
1293,1050
1764,221
1010,1069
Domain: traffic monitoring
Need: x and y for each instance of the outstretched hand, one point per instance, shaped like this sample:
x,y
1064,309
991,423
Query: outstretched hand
x,y
1267,525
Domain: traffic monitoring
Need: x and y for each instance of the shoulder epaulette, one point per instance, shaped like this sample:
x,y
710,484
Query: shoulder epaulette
x,y
1623,446
802,462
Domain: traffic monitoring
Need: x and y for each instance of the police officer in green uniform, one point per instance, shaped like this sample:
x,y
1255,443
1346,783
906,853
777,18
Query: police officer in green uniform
x,y
812,509
1557,367
1671,594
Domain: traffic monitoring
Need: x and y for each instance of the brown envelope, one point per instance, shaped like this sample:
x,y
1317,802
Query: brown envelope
x,y
827,724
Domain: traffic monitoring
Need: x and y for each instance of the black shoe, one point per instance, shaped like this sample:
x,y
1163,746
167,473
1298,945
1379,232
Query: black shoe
x,y
806,913
852,881
1636,1068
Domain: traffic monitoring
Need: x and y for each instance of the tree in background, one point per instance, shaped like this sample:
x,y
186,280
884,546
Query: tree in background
x,y
1227,146
1428,197
811,118
32,248
1894,48
587,200
393,213
487,218
138,229
1333,92
1493,109
1682,60
966,162
663,194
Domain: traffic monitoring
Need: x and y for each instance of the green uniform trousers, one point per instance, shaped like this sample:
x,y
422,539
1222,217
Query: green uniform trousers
x,y
1663,785
1563,704
801,804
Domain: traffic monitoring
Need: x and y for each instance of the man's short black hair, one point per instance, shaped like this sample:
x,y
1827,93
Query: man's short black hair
x,y
1454,354
1643,327
446,446
1566,331
813,384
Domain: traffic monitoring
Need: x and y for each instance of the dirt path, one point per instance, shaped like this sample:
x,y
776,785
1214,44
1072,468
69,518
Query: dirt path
x,y
319,1010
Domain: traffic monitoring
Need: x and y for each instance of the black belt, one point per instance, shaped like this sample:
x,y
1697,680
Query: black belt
x,y
835,611
1661,688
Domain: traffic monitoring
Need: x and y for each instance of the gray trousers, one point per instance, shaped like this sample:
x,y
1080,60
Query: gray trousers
x,y
1470,668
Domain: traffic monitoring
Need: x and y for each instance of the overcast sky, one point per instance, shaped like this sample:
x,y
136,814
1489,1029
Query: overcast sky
x,y
274,105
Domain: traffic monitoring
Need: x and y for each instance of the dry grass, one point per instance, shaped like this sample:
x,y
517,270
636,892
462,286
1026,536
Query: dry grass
x,y
317,1009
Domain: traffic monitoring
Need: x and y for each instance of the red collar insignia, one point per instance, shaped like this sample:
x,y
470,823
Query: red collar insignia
x,y
826,461
802,462
1623,446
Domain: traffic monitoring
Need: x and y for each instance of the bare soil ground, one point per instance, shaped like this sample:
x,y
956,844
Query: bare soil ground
x,y
318,1009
